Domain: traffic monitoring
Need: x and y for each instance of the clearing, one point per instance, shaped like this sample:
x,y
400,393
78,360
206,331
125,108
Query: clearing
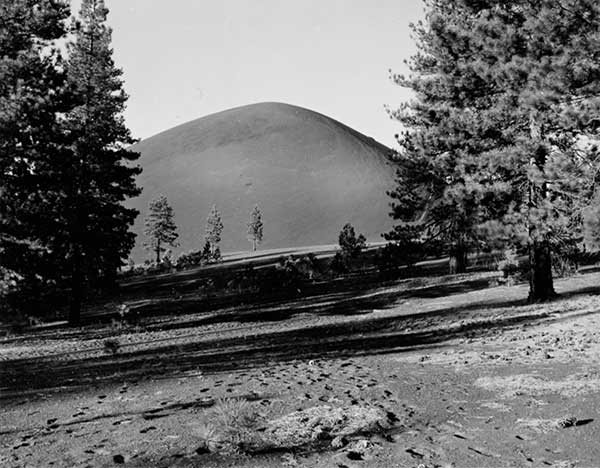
x,y
421,372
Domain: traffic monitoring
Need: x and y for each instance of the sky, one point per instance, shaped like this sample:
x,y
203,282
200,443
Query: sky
x,y
184,59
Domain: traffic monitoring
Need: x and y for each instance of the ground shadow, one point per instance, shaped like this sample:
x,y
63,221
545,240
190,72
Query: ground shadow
x,y
209,352
218,355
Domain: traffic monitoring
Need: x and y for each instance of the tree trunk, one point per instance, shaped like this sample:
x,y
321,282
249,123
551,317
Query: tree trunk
x,y
458,260
541,285
76,299
254,245
157,253
75,305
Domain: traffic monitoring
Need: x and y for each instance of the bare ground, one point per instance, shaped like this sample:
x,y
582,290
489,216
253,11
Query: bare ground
x,y
467,376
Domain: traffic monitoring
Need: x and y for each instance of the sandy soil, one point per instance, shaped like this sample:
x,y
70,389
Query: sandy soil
x,y
466,376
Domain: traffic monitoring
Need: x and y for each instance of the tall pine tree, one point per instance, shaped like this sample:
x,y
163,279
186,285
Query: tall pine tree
x,y
542,60
160,227
96,234
530,76
434,203
33,145
214,228
255,227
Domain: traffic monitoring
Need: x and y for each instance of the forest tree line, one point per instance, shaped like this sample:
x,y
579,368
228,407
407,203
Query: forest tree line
x,y
498,149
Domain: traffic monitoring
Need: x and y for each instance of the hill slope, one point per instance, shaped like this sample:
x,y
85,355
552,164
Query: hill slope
x,y
308,173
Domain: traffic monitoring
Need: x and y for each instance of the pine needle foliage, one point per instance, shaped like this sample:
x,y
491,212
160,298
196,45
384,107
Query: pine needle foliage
x,y
160,228
255,227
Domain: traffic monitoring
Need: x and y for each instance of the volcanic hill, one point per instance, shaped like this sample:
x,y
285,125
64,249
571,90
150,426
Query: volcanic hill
x,y
308,173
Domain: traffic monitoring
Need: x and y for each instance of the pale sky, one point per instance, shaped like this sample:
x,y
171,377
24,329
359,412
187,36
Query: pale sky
x,y
185,59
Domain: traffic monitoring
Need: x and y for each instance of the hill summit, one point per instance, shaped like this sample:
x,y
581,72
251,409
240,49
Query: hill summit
x,y
308,173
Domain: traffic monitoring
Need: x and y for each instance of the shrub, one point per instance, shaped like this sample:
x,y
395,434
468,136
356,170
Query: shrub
x,y
339,264
233,426
512,270
565,259
284,277
509,265
351,247
247,280
9,284
389,257
563,266
189,260
308,266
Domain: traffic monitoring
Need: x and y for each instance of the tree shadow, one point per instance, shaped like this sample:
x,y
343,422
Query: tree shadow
x,y
209,352
345,340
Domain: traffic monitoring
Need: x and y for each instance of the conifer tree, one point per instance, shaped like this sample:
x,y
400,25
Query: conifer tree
x,y
206,254
433,201
351,245
255,227
525,153
214,228
33,144
544,68
101,173
160,227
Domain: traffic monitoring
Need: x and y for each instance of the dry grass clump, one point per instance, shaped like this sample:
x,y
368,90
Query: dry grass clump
x,y
237,426
233,426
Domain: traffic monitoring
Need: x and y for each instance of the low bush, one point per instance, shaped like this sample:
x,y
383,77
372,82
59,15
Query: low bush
x,y
509,265
189,260
339,264
232,426
513,271
351,247
389,257
9,281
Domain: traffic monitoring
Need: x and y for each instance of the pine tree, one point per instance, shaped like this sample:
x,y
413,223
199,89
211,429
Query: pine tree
x,y
33,144
541,60
351,245
214,228
160,227
206,254
101,173
435,204
530,159
255,227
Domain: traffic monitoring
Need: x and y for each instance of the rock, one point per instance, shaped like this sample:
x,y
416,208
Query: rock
x,y
339,442
119,459
566,422
362,445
